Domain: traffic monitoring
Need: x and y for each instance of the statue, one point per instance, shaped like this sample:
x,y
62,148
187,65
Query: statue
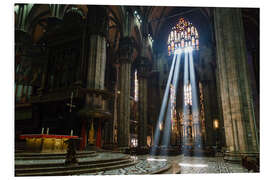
x,y
71,152
91,138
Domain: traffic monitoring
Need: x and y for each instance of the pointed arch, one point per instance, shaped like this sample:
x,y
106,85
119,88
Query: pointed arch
x,y
38,11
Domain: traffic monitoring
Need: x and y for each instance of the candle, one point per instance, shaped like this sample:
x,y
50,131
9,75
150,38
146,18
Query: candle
x,y
71,133
47,130
42,131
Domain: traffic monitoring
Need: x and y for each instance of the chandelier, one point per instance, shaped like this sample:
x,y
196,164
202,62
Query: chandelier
x,y
183,35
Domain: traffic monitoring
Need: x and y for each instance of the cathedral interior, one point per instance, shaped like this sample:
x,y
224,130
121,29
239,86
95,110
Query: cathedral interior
x,y
162,88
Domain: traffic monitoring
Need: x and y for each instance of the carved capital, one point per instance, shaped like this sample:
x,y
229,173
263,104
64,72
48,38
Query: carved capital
x,y
143,66
125,50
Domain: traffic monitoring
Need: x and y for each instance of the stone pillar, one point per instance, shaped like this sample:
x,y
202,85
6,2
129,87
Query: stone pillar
x,y
123,133
97,62
20,15
221,137
115,108
97,28
208,97
233,82
94,54
143,68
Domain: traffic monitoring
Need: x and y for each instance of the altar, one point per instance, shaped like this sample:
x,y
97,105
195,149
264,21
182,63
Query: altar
x,y
46,143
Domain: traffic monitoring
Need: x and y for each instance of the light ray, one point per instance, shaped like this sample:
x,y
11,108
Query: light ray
x,y
192,165
195,107
163,106
154,159
167,128
168,120
185,107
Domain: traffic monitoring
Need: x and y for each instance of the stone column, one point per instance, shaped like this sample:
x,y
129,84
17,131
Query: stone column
x,y
233,81
97,29
123,133
94,53
143,68
208,97
220,111
115,108
20,16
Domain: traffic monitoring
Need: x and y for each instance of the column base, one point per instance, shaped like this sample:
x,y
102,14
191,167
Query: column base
x,y
140,150
232,156
238,156
92,147
125,150
251,154
110,147
166,150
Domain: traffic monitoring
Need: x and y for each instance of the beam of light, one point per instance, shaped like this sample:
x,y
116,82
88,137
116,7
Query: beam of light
x,y
186,77
185,107
163,107
193,85
188,49
195,107
192,165
154,159
176,76
168,120
160,126
178,51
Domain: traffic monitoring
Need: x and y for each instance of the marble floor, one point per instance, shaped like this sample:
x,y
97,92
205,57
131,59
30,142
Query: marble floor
x,y
181,163
193,165
144,166
147,164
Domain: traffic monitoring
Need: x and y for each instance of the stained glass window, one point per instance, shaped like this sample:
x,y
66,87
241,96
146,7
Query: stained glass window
x,y
182,43
138,19
193,42
169,50
134,142
184,34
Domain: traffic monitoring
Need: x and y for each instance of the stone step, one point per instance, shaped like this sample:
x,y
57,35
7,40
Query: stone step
x,y
142,168
19,151
76,170
28,156
42,164
52,157
25,154
162,170
169,169
64,167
